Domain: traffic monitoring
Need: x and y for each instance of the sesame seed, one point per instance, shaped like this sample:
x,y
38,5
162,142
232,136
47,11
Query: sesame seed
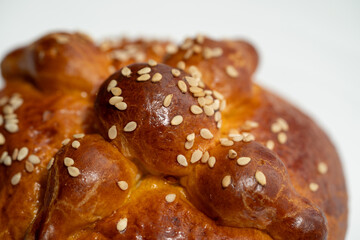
x,y
3,155
236,137
16,179
171,48
143,78
8,109
73,171
177,120
223,105
182,86
206,134
313,187
232,154
144,70
188,54
275,127
260,178
170,197
79,135
34,159
207,53
122,224
121,106
23,152
111,85
217,116
209,111
167,100
112,133
187,44
192,81
217,52
11,127
216,104
282,138
181,159
123,185
189,144
248,125
218,95
7,161
196,156
65,141
201,101
211,162
205,157
208,92
68,161
190,137
131,126
219,123
175,72
156,77
283,124
209,100
181,65
200,38
231,71
270,144
51,162
199,94
29,167
61,39
152,63
201,84
226,142
75,144
226,181
115,99
126,72
233,132
116,91
248,137
322,168
242,161
16,102
197,49
2,139
195,109
15,154
196,89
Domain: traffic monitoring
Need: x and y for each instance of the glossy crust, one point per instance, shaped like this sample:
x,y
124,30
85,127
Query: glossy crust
x,y
291,188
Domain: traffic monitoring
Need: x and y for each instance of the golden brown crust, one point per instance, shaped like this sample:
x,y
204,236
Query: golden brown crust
x,y
154,131
43,121
59,62
88,197
290,186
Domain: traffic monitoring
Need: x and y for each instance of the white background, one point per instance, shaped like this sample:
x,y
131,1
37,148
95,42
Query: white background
x,y
310,50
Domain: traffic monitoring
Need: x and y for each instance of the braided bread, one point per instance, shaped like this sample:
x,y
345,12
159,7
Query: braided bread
x,y
149,140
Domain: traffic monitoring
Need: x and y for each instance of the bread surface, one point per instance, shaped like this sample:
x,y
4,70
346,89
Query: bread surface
x,y
143,139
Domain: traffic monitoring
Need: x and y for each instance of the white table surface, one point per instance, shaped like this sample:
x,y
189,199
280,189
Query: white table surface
x,y
310,50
